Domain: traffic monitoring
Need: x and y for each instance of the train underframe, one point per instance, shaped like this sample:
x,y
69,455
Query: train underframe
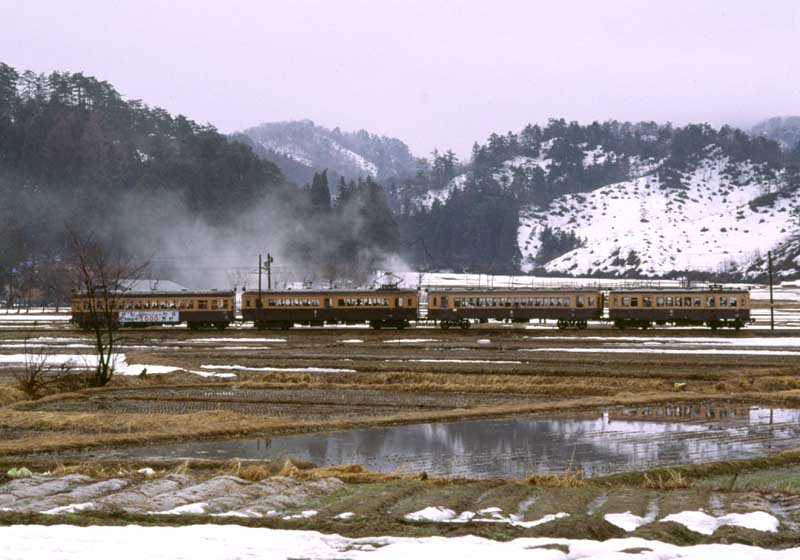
x,y
577,318
272,320
712,323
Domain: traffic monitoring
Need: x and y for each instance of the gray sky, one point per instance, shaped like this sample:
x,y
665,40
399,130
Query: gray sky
x,y
431,73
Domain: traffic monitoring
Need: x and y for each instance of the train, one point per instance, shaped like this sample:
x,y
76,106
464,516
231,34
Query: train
x,y
714,307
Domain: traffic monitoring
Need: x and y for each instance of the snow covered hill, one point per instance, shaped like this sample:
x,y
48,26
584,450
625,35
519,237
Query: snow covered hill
x,y
301,147
723,217
639,227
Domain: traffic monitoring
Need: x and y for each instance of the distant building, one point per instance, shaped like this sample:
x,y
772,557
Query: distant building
x,y
151,285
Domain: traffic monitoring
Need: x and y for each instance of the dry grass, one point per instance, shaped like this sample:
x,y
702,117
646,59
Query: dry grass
x,y
570,478
10,394
673,480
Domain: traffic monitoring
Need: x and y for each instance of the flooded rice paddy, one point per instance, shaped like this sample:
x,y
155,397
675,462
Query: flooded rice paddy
x,y
615,440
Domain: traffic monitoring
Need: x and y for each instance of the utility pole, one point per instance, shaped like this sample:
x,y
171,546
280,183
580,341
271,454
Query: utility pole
x,y
269,272
258,301
771,300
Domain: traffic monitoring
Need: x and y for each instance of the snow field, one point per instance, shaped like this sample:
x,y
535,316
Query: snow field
x,y
66,542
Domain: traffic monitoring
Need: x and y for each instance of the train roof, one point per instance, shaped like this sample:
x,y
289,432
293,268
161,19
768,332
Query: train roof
x,y
323,291
705,290
516,290
171,293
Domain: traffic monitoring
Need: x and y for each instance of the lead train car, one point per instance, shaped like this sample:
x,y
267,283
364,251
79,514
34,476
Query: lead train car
x,y
570,308
713,307
198,310
283,309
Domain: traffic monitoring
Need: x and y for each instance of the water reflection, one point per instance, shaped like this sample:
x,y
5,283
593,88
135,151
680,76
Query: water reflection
x,y
615,441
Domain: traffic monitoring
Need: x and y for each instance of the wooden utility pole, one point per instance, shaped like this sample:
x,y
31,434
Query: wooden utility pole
x,y
771,299
269,272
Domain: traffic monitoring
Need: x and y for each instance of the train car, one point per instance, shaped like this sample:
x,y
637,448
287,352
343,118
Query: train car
x,y
199,310
568,307
714,307
283,309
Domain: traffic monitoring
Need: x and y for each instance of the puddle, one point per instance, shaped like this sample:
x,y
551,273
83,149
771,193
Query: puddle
x,y
613,441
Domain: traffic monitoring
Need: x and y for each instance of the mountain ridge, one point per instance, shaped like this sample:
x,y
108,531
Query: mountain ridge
x,y
301,148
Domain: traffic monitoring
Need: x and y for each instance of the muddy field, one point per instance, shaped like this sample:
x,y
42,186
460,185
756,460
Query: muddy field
x,y
172,383
176,387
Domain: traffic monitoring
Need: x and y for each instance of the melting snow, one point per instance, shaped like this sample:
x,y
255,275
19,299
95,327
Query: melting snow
x,y
709,351
410,340
701,522
71,508
628,521
305,369
68,542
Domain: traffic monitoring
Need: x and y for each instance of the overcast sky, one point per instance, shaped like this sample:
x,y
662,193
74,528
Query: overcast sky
x,y
434,74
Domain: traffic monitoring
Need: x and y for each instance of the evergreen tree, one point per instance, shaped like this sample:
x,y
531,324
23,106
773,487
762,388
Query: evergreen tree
x,y
320,195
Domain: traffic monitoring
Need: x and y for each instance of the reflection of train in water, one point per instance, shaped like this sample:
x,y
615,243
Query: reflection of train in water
x,y
683,412
392,307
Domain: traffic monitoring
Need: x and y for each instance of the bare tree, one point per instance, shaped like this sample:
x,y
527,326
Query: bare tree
x,y
103,276
38,372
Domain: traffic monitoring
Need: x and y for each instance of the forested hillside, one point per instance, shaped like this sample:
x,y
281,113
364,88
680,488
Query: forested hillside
x,y
604,199
784,130
75,154
610,199
301,148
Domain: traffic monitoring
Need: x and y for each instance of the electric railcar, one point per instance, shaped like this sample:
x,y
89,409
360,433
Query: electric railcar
x,y
713,307
569,308
199,310
380,308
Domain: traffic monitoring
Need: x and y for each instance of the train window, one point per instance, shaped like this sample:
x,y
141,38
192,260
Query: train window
x,y
660,301
202,304
592,301
580,301
435,302
733,301
698,301
190,304
647,301
687,302
626,302
444,301
634,302
214,304
341,303
723,301
710,301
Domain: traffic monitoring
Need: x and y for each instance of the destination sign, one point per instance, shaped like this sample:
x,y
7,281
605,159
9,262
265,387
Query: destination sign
x,y
149,317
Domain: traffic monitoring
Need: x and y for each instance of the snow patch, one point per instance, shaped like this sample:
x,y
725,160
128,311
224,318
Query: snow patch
x,y
705,524
291,369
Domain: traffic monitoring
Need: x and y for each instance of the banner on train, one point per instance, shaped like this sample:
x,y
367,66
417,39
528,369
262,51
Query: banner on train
x,y
148,317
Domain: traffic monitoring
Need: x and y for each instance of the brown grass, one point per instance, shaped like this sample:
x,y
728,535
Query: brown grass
x,y
10,394
673,480
570,478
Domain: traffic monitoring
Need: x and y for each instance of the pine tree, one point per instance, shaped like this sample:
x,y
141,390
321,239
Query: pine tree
x,y
320,195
